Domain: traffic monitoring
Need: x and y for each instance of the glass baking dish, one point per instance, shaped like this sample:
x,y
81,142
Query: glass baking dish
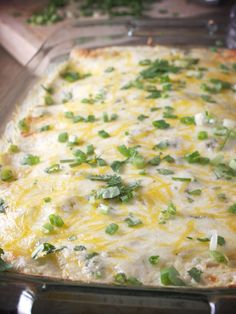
x,y
30,294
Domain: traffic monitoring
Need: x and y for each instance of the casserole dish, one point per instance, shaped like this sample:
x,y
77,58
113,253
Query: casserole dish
x,y
55,50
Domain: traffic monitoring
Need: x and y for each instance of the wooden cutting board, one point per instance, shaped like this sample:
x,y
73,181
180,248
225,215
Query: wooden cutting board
x,y
23,40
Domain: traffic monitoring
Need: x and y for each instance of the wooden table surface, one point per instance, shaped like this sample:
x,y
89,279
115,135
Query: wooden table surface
x,y
9,69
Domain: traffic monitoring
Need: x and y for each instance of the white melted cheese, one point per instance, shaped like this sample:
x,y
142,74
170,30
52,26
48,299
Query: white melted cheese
x,y
69,190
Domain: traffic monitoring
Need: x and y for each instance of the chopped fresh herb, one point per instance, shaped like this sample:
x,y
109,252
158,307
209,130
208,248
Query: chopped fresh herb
x,y
6,175
168,113
48,90
48,100
79,248
56,220
162,145
181,179
47,199
215,86
202,135
3,206
109,192
63,137
133,221
73,76
170,276
169,159
138,161
154,259
30,160
43,250
154,94
109,69
13,149
208,98
24,126
127,152
53,168
112,117
90,149
47,228
222,197
165,172
161,124
91,255
232,209
120,278
219,257
195,273
45,128
133,281
67,97
117,165
196,158
188,120
103,134
73,238
220,240
167,214
155,161
104,209
154,109
203,239
145,62
112,228
3,265
142,117
196,192
158,68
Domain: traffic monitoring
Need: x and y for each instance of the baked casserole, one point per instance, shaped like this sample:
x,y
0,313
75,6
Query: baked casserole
x,y
120,168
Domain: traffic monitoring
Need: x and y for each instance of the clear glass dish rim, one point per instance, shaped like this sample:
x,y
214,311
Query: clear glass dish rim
x,y
67,284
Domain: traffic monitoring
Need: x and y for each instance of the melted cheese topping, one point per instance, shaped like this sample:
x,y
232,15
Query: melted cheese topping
x,y
180,202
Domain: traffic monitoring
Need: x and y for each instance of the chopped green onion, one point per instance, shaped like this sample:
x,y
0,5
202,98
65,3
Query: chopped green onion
x,y
48,100
109,69
155,161
161,124
202,135
80,248
165,172
47,199
232,209
181,179
56,220
53,169
120,278
219,257
103,134
142,117
154,259
133,221
196,192
112,228
195,274
45,128
23,126
63,137
42,250
170,276
13,149
188,120
30,160
3,265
